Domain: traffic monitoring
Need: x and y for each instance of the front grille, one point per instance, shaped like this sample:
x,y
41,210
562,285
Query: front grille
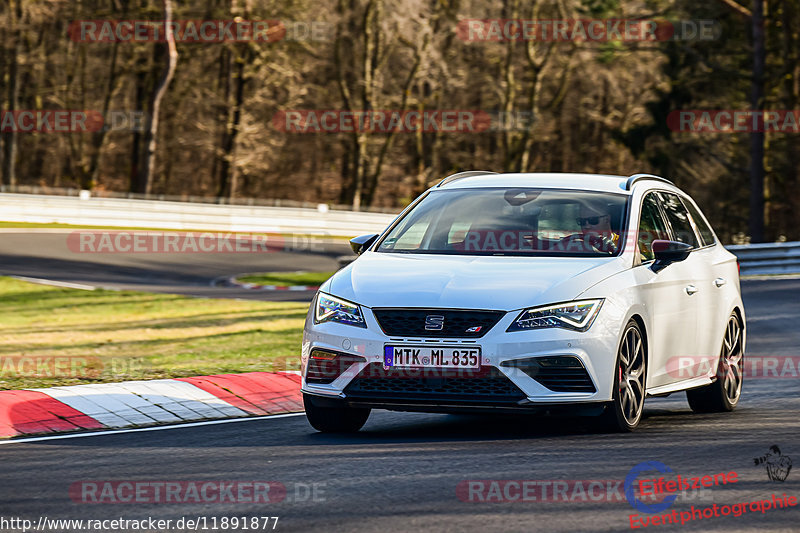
x,y
486,385
557,373
455,323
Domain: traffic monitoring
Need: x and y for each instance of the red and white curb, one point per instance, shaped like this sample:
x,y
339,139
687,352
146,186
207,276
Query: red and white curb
x,y
147,403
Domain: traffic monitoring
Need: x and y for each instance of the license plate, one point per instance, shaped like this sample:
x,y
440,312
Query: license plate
x,y
431,357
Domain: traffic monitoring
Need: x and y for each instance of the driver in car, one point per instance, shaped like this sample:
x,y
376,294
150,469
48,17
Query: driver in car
x,y
596,232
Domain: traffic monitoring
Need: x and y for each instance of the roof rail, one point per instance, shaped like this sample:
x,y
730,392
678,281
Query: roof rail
x,y
461,175
639,177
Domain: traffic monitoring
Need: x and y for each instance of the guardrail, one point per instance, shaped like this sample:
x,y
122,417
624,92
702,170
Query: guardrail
x,y
183,198
117,212
768,258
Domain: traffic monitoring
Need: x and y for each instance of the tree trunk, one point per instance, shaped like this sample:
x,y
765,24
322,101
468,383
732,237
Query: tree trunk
x,y
510,155
10,137
148,170
757,137
136,183
369,64
227,185
99,137
10,143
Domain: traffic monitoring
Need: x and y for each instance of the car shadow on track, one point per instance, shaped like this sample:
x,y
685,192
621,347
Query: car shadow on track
x,y
388,428
462,427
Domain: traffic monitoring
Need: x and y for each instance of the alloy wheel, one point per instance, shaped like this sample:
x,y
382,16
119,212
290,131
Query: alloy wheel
x,y
731,360
631,376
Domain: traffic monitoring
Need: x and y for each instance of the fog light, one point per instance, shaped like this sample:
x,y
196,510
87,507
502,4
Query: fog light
x,y
322,355
324,367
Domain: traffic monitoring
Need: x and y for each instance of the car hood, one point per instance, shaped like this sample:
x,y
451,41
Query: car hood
x,y
466,282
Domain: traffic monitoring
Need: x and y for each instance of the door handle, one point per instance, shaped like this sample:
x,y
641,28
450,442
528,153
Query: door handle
x,y
691,289
719,282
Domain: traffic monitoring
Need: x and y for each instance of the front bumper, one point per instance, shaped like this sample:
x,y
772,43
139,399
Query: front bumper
x,y
504,382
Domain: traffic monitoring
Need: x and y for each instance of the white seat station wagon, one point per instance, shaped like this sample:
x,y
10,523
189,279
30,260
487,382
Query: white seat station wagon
x,y
520,293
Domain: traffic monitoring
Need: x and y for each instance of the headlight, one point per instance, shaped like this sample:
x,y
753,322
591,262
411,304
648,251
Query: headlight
x,y
577,316
331,309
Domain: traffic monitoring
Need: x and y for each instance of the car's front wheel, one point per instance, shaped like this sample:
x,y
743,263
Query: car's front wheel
x,y
723,395
625,410
328,417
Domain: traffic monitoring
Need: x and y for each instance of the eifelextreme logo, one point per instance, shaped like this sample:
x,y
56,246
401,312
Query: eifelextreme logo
x,y
666,488
629,487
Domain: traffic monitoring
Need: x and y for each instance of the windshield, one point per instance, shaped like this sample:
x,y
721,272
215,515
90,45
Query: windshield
x,y
511,221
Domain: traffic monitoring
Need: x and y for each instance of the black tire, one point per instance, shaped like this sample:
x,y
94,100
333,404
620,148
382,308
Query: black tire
x,y
624,412
334,419
723,395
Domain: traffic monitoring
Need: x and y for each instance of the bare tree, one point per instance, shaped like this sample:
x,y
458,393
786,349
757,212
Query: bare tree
x,y
366,85
10,142
595,106
757,137
151,135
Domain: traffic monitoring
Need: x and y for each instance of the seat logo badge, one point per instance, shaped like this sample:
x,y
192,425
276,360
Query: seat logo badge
x,y
474,329
434,323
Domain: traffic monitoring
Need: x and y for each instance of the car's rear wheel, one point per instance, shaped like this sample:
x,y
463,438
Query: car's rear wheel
x,y
328,417
625,410
723,395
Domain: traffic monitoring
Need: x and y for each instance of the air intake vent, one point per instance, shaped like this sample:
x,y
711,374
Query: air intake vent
x,y
558,373
487,385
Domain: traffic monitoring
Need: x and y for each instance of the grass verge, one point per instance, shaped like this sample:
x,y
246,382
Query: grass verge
x,y
314,279
53,336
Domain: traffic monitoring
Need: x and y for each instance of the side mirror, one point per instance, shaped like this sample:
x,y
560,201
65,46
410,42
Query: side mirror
x,y
359,244
668,252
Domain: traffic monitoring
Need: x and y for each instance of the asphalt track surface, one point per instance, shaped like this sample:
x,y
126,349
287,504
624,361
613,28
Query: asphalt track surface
x,y
48,255
400,473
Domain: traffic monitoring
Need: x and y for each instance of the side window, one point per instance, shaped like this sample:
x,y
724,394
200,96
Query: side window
x,y
705,231
651,226
678,218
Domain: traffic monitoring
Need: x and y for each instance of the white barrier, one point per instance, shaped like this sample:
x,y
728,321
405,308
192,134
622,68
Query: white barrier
x,y
769,258
118,212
